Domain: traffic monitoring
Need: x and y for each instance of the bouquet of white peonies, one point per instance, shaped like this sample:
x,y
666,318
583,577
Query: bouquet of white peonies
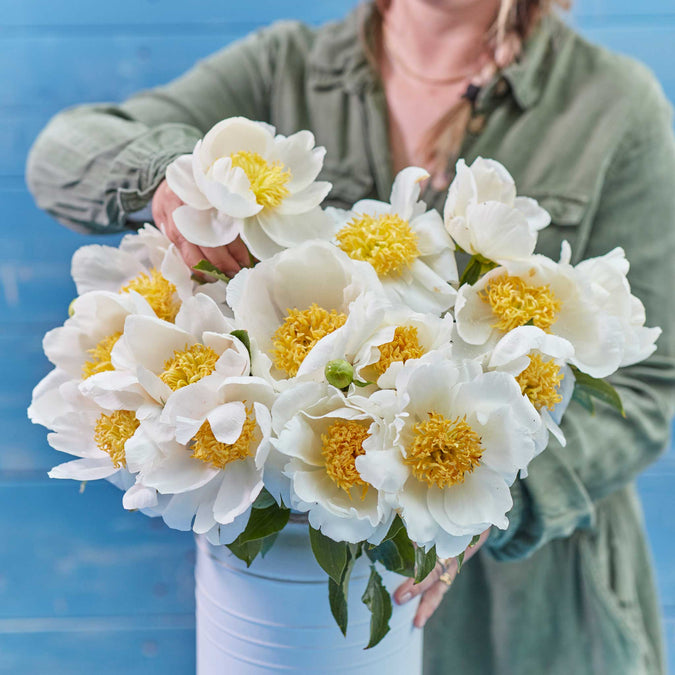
x,y
351,375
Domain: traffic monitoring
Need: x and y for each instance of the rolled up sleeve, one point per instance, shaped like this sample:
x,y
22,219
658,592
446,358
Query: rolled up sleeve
x,y
93,165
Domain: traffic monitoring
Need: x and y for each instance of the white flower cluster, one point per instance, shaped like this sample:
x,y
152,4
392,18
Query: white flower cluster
x,y
349,372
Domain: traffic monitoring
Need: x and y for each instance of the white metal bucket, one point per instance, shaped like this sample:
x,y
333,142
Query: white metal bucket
x,y
274,617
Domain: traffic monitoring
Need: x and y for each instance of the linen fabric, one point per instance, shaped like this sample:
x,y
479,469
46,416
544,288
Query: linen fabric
x,y
568,587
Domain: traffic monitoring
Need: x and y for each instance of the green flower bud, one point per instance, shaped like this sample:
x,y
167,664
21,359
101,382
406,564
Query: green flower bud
x,y
339,373
71,309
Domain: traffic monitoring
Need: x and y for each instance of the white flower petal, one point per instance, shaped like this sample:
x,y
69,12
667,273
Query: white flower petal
x,y
180,179
84,469
241,484
206,228
406,191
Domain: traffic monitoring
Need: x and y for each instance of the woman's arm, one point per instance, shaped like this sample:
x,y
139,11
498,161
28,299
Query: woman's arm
x,y
93,165
604,452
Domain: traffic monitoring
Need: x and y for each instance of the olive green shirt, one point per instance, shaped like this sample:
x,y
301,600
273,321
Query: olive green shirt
x,y
567,588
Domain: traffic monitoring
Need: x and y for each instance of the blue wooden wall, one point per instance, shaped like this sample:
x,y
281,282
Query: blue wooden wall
x,y
85,586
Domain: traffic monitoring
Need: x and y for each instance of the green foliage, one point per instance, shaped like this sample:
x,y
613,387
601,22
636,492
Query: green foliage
x,y
475,269
396,552
586,388
206,267
332,556
425,561
242,336
263,524
376,597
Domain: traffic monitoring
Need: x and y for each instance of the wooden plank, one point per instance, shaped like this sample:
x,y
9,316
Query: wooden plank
x,y
102,649
607,10
56,71
78,554
656,492
150,12
32,237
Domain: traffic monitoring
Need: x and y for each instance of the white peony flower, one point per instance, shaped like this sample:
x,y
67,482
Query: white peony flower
x,y
606,277
96,435
242,180
596,313
538,361
291,301
463,435
321,433
219,441
82,346
484,216
406,244
378,338
155,358
145,262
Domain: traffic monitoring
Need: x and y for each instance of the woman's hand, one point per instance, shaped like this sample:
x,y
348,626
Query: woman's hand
x,y
432,589
228,259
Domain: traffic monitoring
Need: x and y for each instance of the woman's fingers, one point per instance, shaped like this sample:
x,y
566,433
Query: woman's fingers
x,y
239,252
409,589
229,259
429,602
222,258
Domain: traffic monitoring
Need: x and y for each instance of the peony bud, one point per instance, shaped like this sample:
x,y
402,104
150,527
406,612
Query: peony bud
x,y
339,373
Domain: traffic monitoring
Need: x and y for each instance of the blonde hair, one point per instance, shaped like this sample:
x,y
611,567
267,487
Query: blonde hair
x,y
515,20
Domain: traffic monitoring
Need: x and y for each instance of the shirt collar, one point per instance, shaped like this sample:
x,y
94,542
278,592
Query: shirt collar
x,y
528,75
337,57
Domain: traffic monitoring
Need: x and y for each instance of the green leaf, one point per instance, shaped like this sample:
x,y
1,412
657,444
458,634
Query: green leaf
x,y
471,272
460,560
247,551
474,540
332,556
264,500
396,525
584,399
209,268
242,336
267,543
338,594
477,266
376,597
263,522
425,561
597,388
396,554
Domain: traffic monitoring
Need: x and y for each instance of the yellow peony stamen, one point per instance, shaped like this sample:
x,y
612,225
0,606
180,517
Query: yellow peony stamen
x,y
540,382
188,366
113,431
299,332
160,293
268,180
386,241
443,450
404,346
516,303
210,450
100,361
340,446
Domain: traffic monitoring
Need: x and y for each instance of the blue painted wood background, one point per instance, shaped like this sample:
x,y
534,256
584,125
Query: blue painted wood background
x,y
85,586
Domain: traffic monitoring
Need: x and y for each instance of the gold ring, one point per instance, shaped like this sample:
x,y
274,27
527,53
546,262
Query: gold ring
x,y
446,578
445,575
